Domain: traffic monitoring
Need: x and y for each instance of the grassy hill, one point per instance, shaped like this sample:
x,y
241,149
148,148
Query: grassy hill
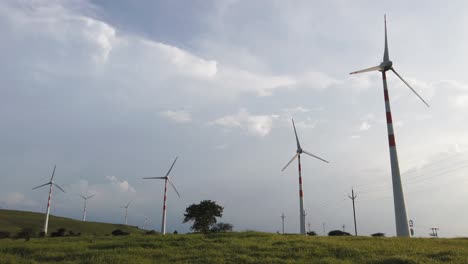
x,y
13,221
244,247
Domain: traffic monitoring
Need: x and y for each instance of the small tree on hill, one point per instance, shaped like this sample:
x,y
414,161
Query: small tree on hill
x,y
338,233
378,235
311,233
221,227
203,215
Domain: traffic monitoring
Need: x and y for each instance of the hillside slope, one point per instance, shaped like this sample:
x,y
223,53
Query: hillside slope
x,y
13,221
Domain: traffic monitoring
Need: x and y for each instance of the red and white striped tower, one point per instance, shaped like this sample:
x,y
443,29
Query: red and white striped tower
x,y
49,199
46,223
401,219
163,223
166,180
301,198
299,151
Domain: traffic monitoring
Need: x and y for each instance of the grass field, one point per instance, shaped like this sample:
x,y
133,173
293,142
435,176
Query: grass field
x,y
95,245
244,247
13,221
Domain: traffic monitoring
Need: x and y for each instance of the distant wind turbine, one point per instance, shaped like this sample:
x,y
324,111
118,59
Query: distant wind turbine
x,y
166,180
126,210
299,151
85,198
401,218
50,183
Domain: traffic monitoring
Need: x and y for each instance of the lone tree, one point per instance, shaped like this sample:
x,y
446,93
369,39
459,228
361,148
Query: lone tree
x,y
203,215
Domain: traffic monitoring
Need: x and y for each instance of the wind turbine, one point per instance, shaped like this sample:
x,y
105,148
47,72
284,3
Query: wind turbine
x,y
299,151
401,218
51,183
166,180
85,198
126,210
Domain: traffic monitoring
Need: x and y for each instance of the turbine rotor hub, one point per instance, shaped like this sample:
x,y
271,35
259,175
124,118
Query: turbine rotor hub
x,y
386,65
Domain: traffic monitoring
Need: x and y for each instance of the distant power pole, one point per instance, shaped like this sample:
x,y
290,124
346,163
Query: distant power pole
x,y
434,232
411,227
308,224
353,197
282,218
324,232
344,228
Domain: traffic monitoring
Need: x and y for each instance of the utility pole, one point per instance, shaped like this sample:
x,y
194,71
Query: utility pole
x,y
324,232
411,227
434,232
282,218
353,197
344,228
308,224
145,225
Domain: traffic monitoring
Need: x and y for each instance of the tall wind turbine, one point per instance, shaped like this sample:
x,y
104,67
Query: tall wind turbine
x,y
50,183
166,180
401,218
299,151
85,198
126,210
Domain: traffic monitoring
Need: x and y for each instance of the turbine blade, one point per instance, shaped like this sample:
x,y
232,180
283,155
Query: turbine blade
x,y
58,187
169,171
293,158
83,197
53,173
385,56
295,133
375,68
409,86
41,185
154,178
173,187
90,196
312,155
128,204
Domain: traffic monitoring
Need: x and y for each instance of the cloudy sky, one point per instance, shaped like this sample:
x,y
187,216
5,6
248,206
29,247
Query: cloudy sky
x,y
112,91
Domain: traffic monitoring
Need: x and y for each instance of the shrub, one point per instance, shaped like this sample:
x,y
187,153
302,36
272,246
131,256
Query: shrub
x,y
378,235
221,227
25,233
338,233
59,233
4,234
151,232
311,233
119,232
175,232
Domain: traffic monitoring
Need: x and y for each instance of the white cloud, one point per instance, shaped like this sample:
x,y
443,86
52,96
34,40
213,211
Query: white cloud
x,y
122,185
364,126
180,116
16,199
258,125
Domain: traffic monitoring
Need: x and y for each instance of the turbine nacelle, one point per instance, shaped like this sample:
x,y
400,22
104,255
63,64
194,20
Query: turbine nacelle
x,y
385,66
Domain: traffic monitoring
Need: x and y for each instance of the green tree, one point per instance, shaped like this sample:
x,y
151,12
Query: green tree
x,y
203,215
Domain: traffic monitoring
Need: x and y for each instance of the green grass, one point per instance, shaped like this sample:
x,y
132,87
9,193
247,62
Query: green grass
x,y
244,247
13,221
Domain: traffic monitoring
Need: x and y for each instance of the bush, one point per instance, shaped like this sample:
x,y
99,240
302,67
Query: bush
x,y
175,232
221,227
4,234
338,233
25,233
378,235
151,232
119,232
59,233
311,233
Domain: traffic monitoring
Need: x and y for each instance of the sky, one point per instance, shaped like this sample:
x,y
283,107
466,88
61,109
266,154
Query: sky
x,y
113,91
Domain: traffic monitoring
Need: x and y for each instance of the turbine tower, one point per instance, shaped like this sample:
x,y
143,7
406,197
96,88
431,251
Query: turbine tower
x,y
85,198
126,210
299,151
401,218
166,180
50,183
